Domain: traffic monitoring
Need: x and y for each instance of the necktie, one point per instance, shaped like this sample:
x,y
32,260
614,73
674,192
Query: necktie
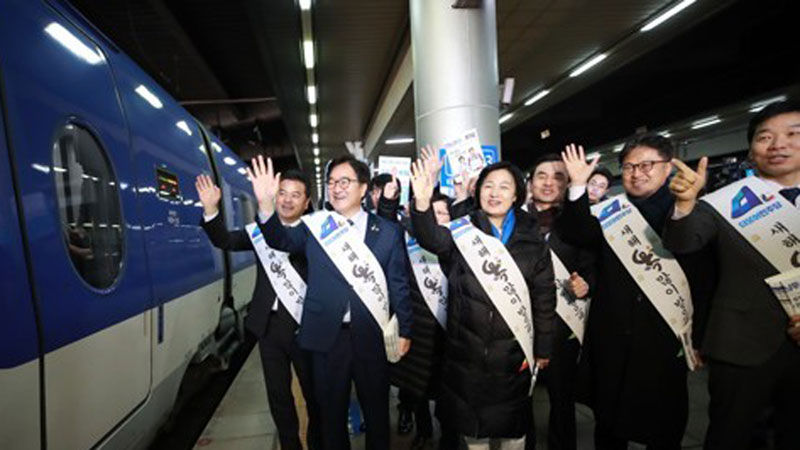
x,y
790,193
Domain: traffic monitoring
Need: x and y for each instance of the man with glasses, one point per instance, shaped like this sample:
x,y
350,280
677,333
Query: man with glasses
x,y
636,360
343,326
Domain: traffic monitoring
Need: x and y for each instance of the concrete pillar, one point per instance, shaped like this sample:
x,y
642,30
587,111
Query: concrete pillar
x,y
455,71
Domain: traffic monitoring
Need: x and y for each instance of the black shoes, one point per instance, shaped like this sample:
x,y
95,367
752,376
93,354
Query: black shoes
x,y
405,422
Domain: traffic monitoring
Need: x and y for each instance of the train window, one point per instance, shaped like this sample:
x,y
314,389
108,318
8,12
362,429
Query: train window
x,y
88,206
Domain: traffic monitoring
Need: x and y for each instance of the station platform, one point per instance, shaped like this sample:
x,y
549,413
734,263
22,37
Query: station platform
x,y
242,420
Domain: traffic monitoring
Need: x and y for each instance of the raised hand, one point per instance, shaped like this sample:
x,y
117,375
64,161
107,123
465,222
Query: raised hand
x,y
422,185
265,184
390,190
578,286
687,184
431,158
209,194
578,169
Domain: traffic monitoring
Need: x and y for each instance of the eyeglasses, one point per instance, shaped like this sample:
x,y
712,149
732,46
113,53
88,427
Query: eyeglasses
x,y
343,183
644,167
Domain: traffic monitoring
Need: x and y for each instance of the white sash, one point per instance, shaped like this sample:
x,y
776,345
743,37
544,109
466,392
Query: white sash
x,y
770,223
764,219
286,282
359,267
652,267
573,311
430,279
501,279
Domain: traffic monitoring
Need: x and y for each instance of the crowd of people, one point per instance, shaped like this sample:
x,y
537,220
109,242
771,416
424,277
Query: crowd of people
x,y
467,302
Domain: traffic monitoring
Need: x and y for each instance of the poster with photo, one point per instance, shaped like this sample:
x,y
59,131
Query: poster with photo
x,y
464,154
402,166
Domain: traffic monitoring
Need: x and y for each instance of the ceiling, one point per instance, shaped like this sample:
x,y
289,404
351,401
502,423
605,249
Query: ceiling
x,y
244,58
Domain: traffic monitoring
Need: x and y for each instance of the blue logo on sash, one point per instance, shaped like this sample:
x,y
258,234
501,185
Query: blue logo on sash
x,y
609,211
256,232
411,242
328,227
743,201
459,222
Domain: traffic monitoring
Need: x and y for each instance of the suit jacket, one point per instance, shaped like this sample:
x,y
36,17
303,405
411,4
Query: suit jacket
x,y
746,324
329,293
260,308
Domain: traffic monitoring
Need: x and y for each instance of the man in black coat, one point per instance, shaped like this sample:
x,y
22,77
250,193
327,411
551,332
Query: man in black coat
x,y
267,317
417,375
751,345
638,388
547,185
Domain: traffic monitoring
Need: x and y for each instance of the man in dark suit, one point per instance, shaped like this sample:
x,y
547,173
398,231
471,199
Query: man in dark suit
x,y
750,343
547,185
267,317
337,327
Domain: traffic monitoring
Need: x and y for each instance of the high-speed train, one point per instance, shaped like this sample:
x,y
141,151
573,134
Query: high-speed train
x,y
110,289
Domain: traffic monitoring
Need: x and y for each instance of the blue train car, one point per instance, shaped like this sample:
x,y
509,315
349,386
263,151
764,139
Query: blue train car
x,y
110,288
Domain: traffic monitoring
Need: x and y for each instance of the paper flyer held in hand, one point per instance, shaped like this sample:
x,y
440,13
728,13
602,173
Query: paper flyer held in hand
x,y
464,154
786,287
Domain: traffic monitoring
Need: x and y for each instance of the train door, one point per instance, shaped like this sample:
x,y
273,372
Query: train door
x,y
19,352
74,172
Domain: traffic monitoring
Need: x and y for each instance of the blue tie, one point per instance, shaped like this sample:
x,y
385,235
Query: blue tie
x,y
790,193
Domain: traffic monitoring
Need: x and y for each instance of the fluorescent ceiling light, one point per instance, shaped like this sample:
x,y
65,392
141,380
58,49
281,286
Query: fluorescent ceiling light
x,y
506,117
312,95
41,168
316,151
758,106
184,127
305,5
316,161
618,148
242,171
588,65
398,141
665,133
666,15
707,122
313,120
308,53
229,161
592,156
151,98
73,44
540,95
315,138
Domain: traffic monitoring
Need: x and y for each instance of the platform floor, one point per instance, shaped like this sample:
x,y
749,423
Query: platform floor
x,y
242,420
